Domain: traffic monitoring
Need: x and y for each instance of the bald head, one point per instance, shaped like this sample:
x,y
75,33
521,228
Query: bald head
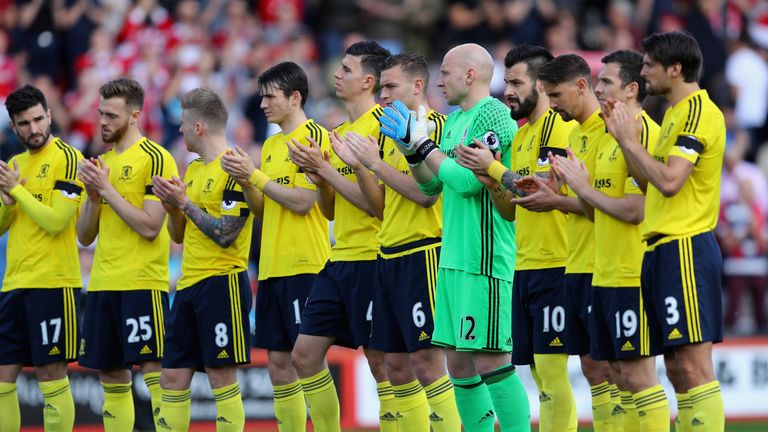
x,y
473,56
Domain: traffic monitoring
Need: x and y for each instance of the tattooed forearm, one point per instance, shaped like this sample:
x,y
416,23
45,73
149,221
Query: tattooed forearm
x,y
508,181
223,231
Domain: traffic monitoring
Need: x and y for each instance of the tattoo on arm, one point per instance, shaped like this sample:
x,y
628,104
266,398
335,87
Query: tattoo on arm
x,y
507,181
223,231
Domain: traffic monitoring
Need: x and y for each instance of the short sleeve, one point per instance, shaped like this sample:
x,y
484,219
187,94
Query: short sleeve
x,y
631,187
161,164
688,147
66,184
233,200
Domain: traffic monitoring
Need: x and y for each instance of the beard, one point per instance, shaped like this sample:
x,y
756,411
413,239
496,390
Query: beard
x,y
564,115
658,89
115,135
526,107
28,141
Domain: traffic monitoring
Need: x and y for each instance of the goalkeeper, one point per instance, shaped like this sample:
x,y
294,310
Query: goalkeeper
x,y
474,285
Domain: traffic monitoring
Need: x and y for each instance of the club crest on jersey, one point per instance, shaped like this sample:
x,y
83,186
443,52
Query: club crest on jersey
x,y
583,148
208,186
125,173
43,173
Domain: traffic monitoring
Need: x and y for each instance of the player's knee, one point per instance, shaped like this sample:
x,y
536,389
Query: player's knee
x,y
221,376
377,363
51,372
397,364
305,359
595,371
115,376
175,379
692,371
428,364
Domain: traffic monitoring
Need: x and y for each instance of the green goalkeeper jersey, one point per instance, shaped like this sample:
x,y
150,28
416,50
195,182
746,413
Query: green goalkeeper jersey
x,y
476,239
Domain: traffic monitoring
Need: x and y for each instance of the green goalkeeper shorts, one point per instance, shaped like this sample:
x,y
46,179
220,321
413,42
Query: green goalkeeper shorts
x,y
473,312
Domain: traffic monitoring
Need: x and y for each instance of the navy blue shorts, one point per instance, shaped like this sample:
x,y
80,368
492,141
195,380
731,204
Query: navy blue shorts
x,y
208,324
122,328
340,304
38,326
682,282
578,296
279,304
618,325
538,314
404,297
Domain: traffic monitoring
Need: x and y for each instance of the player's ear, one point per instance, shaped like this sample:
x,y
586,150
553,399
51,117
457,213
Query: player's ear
x,y
675,70
369,82
632,90
582,84
418,86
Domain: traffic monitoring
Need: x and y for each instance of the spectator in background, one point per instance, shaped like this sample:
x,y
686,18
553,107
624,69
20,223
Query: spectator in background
x,y
37,39
478,21
746,71
741,230
525,20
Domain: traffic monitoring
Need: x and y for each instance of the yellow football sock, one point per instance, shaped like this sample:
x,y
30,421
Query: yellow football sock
x,y
557,404
617,411
387,407
230,415
59,410
117,411
10,421
290,408
684,413
442,402
323,402
174,410
653,409
631,419
412,407
601,407
708,413
152,380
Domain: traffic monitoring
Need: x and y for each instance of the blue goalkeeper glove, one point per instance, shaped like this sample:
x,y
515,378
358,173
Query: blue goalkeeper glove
x,y
407,129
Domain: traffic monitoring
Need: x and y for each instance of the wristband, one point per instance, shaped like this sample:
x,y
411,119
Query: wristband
x,y
496,170
259,179
427,147
412,160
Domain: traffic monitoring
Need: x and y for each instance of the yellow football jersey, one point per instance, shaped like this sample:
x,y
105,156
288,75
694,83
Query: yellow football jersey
x,y
541,237
693,129
618,245
585,139
404,220
124,260
355,232
34,258
291,244
217,194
